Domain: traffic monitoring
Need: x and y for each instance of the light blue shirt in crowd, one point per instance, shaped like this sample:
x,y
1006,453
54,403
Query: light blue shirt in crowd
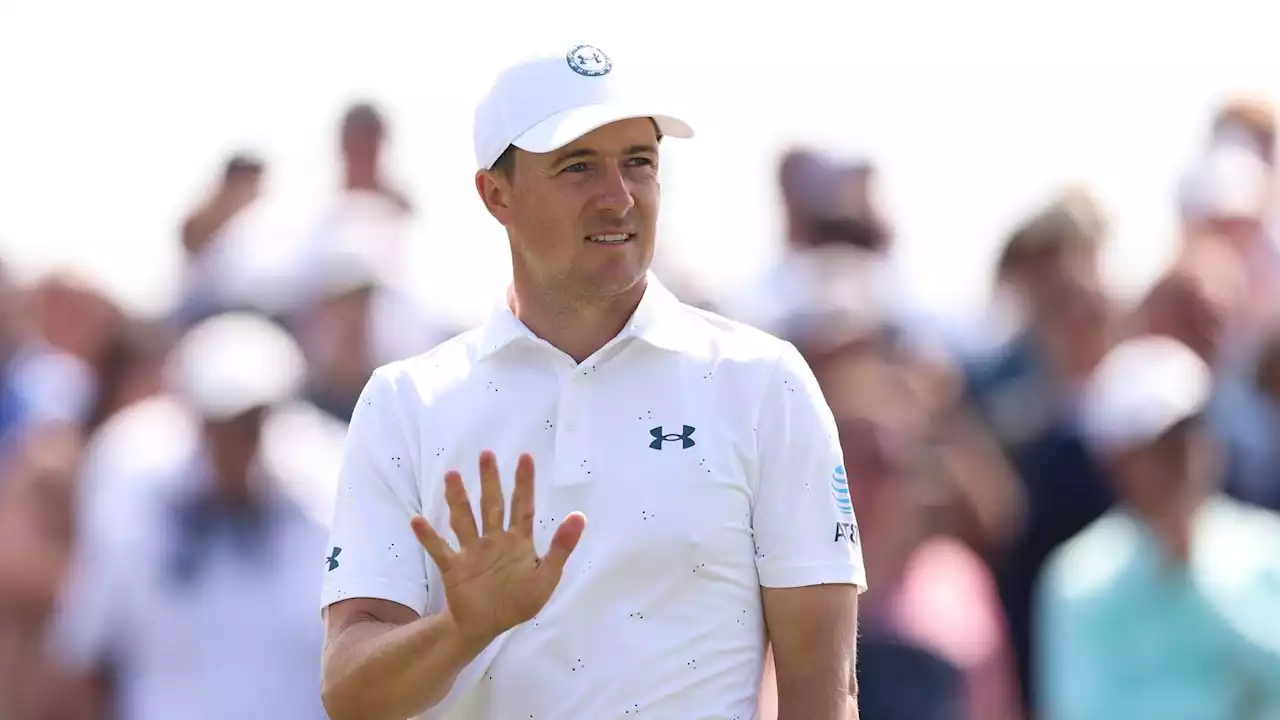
x,y
1127,634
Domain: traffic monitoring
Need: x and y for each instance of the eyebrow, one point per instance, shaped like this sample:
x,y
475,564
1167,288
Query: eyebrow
x,y
641,148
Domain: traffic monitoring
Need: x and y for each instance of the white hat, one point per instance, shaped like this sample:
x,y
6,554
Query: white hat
x,y
236,362
1142,388
546,102
1229,182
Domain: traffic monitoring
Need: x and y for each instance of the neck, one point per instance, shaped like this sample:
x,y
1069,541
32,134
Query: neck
x,y
361,176
578,329
1171,526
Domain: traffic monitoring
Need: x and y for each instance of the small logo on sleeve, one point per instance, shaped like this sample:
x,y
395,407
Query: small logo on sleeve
x,y
659,437
332,560
840,490
847,529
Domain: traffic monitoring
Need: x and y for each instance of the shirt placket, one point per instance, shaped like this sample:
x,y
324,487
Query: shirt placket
x,y
572,456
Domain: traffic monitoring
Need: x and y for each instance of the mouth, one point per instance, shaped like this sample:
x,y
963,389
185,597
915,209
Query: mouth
x,y
610,239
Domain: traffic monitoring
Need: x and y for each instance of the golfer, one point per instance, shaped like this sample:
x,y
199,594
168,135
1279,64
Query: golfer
x,y
622,500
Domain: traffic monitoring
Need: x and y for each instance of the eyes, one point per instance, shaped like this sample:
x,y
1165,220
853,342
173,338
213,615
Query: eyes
x,y
586,165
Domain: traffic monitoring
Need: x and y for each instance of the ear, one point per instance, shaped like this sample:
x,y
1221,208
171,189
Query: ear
x,y
495,193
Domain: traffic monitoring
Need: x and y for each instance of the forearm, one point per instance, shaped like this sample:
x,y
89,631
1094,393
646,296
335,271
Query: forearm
x,y
816,700
379,671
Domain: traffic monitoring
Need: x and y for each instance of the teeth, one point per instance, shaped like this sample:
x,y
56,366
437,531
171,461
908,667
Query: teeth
x,y
621,237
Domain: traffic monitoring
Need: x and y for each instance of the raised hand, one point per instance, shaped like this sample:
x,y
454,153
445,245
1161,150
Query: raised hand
x,y
495,580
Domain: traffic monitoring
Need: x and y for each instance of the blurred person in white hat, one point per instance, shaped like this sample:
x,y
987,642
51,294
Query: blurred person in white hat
x,y
701,449
186,597
353,322
1230,196
1164,607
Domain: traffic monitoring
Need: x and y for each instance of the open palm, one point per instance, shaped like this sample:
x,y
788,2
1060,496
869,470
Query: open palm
x,y
495,580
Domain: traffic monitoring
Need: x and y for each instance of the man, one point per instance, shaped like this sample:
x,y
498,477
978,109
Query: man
x,y
185,590
1164,607
702,451
834,227
240,185
363,136
212,264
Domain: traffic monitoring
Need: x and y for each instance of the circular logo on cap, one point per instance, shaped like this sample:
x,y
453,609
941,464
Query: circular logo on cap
x,y
589,60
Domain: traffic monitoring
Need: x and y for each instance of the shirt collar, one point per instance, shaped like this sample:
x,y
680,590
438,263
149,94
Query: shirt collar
x,y
659,320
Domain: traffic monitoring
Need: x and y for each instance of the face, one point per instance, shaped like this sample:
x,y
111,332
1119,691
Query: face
x,y
233,444
581,220
1170,474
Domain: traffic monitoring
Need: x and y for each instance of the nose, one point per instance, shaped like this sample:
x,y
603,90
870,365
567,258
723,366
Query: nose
x,y
614,191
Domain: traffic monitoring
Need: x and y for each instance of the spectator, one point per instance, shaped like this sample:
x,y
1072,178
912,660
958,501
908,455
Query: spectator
x,y
933,642
37,528
197,603
1164,606
1028,392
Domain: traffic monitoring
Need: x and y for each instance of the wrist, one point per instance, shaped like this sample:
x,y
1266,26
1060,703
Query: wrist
x,y
465,643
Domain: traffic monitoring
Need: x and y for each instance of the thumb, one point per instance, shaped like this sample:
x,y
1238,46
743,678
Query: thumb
x,y
564,541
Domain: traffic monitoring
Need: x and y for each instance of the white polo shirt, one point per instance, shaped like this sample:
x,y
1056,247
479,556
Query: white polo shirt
x,y
707,464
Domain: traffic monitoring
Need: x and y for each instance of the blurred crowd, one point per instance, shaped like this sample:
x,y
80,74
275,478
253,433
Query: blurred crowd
x,y
1067,513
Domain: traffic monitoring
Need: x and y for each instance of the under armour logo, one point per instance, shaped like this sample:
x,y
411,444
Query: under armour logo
x,y
333,559
685,438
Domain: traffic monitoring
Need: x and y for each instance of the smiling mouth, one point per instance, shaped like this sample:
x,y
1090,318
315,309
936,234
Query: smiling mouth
x,y
610,239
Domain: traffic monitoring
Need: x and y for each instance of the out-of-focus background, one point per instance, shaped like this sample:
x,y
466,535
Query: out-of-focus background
x,y
217,218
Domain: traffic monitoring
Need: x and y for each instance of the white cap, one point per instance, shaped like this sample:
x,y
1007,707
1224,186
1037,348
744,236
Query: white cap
x,y
236,362
1142,388
1229,182
546,102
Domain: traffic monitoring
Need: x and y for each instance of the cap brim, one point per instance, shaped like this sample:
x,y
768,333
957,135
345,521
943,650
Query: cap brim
x,y
568,125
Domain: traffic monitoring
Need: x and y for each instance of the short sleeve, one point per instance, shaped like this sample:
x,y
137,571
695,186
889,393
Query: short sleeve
x,y
373,552
805,530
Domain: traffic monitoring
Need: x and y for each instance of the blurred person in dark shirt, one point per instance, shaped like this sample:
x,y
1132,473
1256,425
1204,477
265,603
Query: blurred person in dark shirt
x,y
1029,390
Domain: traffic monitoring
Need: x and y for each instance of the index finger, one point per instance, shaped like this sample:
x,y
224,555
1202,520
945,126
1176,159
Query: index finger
x,y
435,545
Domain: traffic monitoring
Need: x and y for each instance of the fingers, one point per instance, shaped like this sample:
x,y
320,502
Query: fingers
x,y
461,518
522,498
564,541
435,545
491,500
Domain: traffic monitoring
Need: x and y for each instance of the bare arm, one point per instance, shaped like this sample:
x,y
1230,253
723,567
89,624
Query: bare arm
x,y
383,661
813,632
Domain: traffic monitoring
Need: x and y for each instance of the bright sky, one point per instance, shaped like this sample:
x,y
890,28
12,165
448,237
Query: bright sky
x,y
117,116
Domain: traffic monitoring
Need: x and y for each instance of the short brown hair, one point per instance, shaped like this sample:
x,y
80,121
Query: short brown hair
x,y
1073,220
505,165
